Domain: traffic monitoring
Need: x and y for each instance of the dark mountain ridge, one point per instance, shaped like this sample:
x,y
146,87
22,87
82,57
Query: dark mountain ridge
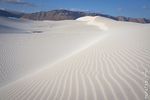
x,y
67,15
71,15
10,14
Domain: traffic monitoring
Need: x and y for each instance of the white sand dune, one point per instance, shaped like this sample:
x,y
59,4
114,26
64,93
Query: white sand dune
x,y
26,52
92,58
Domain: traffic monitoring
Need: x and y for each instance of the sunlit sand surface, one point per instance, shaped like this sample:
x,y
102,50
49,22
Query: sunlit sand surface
x,y
91,58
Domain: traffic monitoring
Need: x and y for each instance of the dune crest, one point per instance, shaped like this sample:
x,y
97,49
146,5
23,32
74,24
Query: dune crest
x,y
91,21
29,46
90,63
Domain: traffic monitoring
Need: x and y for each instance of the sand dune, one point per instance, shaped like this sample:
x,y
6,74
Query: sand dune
x,y
26,52
93,58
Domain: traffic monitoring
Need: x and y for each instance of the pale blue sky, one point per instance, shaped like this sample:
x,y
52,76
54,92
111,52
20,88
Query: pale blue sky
x,y
127,8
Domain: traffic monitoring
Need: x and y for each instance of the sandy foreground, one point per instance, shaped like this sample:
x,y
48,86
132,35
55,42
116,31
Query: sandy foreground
x,y
91,58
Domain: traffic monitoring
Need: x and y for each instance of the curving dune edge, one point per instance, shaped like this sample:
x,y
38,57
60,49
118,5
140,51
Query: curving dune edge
x,y
91,58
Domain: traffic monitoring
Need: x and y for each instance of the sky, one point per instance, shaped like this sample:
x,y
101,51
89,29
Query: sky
x,y
127,8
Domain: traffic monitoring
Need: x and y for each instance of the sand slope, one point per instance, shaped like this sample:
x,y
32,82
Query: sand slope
x,y
25,52
94,63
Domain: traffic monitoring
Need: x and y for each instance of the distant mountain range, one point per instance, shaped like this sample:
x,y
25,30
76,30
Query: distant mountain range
x,y
67,15
10,14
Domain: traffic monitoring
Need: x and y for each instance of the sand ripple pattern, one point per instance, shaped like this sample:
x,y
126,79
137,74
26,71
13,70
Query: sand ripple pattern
x,y
110,69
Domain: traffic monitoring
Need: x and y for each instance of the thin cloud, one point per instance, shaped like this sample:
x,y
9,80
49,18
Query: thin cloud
x,y
119,9
144,7
80,10
18,2
98,11
63,8
2,8
15,11
38,4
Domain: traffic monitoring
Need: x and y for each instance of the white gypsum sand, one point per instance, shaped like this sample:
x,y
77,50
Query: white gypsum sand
x,y
91,58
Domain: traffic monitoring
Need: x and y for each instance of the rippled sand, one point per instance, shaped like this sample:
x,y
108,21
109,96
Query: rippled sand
x,y
91,58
